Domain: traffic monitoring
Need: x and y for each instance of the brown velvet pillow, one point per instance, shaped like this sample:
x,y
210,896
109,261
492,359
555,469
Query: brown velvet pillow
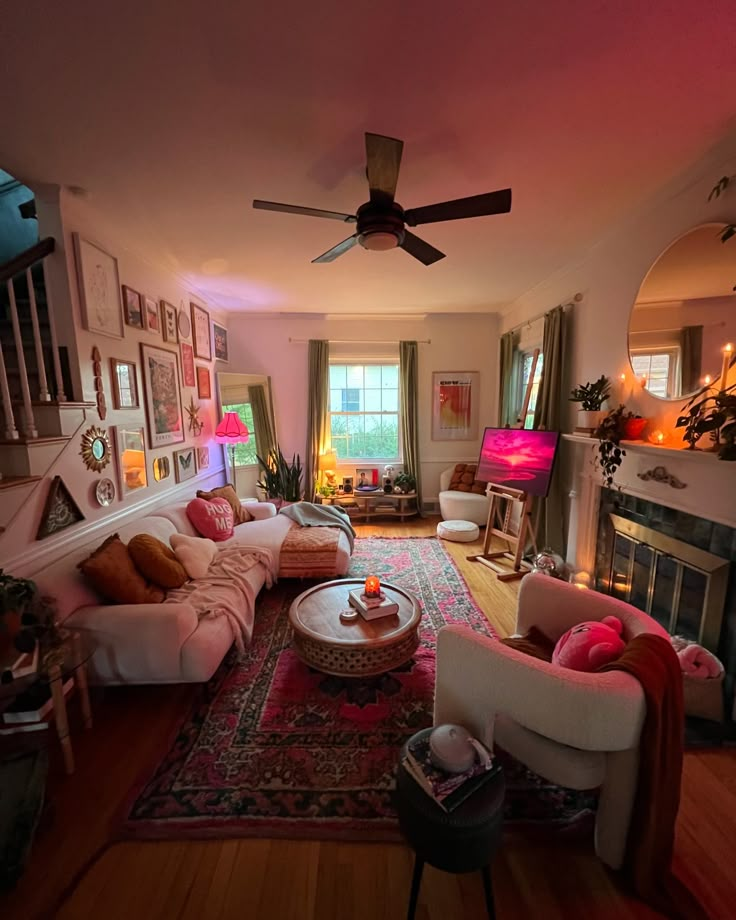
x,y
534,643
111,571
463,479
156,561
240,515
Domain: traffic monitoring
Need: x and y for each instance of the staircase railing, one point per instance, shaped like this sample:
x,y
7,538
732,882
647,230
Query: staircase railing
x,y
10,272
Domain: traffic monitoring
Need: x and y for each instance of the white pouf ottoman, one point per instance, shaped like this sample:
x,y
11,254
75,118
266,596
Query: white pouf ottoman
x,y
458,531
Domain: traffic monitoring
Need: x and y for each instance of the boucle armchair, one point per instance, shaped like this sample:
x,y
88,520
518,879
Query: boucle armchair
x,y
576,729
461,506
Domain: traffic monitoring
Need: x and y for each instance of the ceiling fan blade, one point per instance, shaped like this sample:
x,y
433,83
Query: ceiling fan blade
x,y
383,158
338,250
421,250
476,206
307,212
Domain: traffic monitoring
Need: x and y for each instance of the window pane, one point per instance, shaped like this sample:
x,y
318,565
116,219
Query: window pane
x,y
390,401
390,376
359,397
350,401
336,400
337,376
372,375
372,401
355,376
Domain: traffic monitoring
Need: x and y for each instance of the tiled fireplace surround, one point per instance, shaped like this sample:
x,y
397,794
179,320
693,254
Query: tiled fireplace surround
x,y
702,515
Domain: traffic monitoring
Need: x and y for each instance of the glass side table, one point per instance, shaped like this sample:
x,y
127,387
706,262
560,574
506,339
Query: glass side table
x,y
66,661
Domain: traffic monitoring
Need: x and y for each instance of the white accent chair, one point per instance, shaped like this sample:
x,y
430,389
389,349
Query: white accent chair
x,y
461,506
576,729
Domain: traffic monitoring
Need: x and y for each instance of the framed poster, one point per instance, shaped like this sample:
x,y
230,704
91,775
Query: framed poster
x,y
455,396
187,365
185,465
168,322
153,318
131,459
99,289
201,332
219,334
124,384
133,308
162,396
204,389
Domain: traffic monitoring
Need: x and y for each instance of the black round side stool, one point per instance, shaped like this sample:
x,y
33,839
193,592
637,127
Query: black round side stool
x,y
463,840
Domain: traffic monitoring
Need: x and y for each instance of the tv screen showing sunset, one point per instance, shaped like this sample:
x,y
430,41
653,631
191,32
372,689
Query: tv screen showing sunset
x,y
518,459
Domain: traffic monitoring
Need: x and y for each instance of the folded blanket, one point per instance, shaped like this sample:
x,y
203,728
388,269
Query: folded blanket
x,y
697,661
308,515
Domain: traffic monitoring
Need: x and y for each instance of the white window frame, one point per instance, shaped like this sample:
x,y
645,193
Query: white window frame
x,y
352,462
674,378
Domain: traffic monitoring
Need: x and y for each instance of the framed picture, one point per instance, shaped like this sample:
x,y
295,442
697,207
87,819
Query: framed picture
x,y
153,318
203,458
99,289
185,465
131,459
162,396
455,396
366,478
204,390
185,326
201,332
219,334
168,322
124,384
133,308
187,365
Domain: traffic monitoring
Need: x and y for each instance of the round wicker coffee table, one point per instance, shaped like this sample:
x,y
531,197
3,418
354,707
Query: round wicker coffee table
x,y
360,648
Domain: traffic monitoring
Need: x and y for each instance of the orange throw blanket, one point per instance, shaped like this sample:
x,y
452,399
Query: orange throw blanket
x,y
648,860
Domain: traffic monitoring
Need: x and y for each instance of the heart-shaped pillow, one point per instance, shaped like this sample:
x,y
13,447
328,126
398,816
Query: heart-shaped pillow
x,y
212,519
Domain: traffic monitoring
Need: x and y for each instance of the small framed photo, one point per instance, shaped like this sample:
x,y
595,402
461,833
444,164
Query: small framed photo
x,y
366,478
187,365
133,308
219,334
201,332
185,464
169,322
153,318
124,384
204,388
203,458
99,289
131,459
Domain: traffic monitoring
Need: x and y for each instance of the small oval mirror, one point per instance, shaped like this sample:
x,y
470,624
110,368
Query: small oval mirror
x,y
98,448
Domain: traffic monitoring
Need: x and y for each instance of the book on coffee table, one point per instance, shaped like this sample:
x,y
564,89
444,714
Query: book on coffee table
x,y
372,608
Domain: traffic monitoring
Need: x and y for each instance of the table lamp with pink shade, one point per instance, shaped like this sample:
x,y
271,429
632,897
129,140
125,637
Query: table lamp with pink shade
x,y
231,431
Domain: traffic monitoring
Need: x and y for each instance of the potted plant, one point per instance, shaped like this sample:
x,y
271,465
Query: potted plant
x,y
711,412
281,481
404,483
26,620
634,426
610,453
591,397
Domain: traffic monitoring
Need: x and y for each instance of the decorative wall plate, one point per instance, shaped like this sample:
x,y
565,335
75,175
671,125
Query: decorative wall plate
x,y
95,450
105,492
185,326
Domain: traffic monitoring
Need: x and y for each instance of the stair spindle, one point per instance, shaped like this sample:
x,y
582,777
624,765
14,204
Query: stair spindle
x,y
11,432
29,423
60,395
43,393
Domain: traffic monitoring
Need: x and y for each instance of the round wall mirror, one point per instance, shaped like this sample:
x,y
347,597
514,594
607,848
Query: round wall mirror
x,y
685,314
161,468
95,449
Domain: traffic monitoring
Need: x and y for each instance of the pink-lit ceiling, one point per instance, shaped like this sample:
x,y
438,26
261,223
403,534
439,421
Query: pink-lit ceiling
x,y
174,116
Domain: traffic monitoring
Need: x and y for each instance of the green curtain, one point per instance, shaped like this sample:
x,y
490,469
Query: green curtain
x,y
262,420
318,384
408,398
507,382
691,352
548,516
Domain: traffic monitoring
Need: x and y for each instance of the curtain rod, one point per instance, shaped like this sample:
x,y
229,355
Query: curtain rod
x,y
359,341
533,319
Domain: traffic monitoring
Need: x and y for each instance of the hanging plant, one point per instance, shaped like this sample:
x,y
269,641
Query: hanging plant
x,y
711,412
610,453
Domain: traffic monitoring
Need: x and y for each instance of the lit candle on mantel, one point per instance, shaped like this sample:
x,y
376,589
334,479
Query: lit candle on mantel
x,y
707,380
372,586
727,355
657,437
643,380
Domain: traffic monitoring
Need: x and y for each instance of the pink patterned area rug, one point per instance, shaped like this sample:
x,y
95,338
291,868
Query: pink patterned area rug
x,y
273,748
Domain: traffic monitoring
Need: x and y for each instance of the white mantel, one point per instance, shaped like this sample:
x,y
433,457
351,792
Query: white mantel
x,y
709,492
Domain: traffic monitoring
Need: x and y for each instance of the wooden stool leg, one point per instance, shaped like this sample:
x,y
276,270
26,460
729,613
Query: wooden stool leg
x,y
80,678
488,890
416,881
60,717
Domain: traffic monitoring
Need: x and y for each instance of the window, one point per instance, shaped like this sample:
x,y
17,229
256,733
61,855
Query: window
x,y
364,411
660,368
245,454
526,358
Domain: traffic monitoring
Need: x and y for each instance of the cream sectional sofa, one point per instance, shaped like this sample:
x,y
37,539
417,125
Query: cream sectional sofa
x,y
159,643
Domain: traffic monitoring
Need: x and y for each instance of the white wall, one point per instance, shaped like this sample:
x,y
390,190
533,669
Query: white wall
x,y
260,345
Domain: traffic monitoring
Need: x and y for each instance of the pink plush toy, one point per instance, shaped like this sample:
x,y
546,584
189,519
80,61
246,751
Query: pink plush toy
x,y
590,645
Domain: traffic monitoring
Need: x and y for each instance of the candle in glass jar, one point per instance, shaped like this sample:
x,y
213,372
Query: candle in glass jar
x,y
372,586
657,437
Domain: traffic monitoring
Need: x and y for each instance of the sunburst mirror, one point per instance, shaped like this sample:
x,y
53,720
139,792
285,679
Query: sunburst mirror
x,y
95,449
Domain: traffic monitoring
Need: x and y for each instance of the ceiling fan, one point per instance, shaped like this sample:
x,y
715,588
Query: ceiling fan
x,y
381,221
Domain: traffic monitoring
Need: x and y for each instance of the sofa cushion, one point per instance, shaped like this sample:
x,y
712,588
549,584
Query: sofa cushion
x,y
113,574
240,514
212,519
261,511
194,553
156,561
463,479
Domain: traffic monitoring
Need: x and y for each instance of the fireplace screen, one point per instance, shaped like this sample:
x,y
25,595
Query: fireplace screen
x,y
682,587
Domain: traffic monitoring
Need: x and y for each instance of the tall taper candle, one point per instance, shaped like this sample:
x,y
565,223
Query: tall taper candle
x,y
727,354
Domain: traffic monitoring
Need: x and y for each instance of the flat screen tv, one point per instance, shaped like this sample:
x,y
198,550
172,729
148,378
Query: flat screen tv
x,y
518,459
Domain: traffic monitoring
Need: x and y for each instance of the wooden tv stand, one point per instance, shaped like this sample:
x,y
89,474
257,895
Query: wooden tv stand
x,y
364,506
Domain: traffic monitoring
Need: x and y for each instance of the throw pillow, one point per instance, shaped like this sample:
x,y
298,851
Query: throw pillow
x,y
212,519
463,479
156,561
240,514
194,553
259,511
113,574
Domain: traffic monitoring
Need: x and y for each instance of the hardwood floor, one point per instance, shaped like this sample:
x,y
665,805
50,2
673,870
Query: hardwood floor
x,y
281,880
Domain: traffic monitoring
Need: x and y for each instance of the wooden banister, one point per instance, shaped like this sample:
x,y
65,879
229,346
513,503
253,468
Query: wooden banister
x,y
26,259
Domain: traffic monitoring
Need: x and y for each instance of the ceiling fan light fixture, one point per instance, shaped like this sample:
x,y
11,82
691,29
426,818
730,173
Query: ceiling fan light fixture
x,y
378,241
